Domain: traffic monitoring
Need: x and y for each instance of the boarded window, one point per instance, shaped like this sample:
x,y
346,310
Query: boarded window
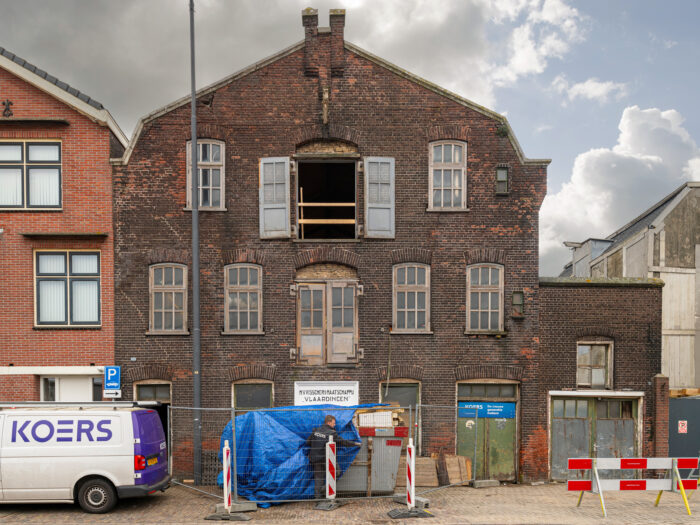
x,y
249,396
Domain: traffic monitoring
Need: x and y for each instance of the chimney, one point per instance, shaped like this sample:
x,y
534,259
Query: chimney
x,y
309,19
337,23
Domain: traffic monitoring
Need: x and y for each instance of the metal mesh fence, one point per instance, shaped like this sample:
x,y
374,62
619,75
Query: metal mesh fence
x,y
447,438
271,451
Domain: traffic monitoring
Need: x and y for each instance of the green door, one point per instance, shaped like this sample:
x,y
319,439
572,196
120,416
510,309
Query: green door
x,y
487,419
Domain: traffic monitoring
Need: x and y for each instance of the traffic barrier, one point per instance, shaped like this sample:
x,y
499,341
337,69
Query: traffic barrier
x,y
674,483
410,475
227,476
330,468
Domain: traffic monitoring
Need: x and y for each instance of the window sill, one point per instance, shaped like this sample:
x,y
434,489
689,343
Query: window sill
x,y
494,333
205,209
224,332
411,332
447,210
68,327
324,240
58,208
342,365
502,193
517,317
172,332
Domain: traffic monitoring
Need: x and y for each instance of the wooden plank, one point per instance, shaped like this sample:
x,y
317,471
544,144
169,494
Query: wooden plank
x,y
326,221
426,473
326,204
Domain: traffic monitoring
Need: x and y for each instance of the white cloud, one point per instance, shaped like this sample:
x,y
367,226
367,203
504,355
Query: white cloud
x,y
591,89
610,186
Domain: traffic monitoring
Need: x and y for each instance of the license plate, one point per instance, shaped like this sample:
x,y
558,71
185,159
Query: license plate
x,y
152,461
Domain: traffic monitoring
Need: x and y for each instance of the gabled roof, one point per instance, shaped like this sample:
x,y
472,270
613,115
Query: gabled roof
x,y
81,102
357,50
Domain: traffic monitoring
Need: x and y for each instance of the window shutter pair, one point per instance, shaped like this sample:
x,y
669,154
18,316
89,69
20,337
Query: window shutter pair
x,y
379,198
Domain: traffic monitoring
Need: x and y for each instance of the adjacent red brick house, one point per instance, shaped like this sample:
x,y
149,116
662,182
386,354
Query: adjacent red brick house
x,y
56,237
360,227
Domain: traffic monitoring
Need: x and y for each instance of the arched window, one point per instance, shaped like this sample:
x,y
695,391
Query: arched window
x,y
243,298
448,169
411,298
168,298
485,298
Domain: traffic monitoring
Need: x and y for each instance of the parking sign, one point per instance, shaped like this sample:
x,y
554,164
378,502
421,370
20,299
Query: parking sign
x,y
113,377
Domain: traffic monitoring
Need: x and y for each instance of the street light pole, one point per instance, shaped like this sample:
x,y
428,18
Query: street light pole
x,y
196,350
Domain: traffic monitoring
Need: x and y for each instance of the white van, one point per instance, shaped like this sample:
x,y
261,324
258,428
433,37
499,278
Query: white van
x,y
88,453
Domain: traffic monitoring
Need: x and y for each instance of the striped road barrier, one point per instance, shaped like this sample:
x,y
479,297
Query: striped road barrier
x,y
410,475
672,482
227,477
330,468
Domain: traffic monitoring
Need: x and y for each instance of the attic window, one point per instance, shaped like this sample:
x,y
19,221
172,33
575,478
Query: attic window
x,y
327,208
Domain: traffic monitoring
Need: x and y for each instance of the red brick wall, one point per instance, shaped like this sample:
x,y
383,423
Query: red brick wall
x,y
19,388
87,207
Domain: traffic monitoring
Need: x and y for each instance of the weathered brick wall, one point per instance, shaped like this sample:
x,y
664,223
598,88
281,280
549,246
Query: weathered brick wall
x,y
630,316
87,207
270,112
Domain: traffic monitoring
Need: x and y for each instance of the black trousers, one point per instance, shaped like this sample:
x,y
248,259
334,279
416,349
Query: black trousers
x,y
319,468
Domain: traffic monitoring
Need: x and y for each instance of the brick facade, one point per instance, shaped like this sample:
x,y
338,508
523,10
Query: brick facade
x,y
83,223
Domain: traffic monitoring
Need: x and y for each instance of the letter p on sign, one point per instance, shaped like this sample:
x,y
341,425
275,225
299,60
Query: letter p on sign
x,y
112,378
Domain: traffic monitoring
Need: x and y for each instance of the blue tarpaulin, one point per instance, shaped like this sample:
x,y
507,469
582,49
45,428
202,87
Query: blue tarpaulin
x,y
272,455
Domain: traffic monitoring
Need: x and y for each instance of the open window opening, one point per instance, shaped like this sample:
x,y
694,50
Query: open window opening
x,y
326,200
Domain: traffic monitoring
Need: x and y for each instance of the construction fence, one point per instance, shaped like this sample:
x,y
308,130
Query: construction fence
x,y
270,450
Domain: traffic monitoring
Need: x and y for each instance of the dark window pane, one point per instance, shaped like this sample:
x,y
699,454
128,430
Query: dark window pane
x,y
581,409
614,408
146,392
570,408
492,390
507,390
404,394
558,408
464,390
478,390
253,395
601,408
97,389
49,389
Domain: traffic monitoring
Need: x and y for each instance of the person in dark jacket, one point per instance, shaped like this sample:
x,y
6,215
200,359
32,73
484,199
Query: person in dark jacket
x,y
317,452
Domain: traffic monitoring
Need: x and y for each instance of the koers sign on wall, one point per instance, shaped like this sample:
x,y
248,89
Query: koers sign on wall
x,y
344,393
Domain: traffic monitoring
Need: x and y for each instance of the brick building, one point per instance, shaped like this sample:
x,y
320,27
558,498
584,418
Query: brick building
x,y
56,237
359,226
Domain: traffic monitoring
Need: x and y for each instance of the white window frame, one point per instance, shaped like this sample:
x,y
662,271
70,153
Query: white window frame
x,y
247,288
415,288
153,382
609,360
68,277
162,288
252,381
25,165
433,165
221,165
499,288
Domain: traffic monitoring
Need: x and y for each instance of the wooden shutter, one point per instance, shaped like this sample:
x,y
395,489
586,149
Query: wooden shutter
x,y
379,197
341,322
311,323
274,198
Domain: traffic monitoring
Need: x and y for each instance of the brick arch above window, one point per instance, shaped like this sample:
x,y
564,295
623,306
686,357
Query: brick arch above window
x,y
449,132
309,133
326,254
401,372
464,372
149,371
244,255
406,255
592,333
255,371
485,255
168,255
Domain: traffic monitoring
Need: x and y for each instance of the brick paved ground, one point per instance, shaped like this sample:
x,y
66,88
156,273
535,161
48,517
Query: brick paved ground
x,y
544,504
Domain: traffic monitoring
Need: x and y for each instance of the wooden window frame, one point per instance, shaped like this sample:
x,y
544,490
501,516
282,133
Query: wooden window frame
x,y
221,165
252,381
500,180
228,288
410,288
433,165
609,360
67,277
155,382
499,288
25,165
162,288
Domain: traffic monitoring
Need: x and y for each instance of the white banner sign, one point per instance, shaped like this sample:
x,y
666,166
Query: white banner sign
x,y
344,393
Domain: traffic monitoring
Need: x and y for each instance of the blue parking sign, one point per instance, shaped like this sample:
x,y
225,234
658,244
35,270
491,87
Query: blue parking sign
x,y
113,377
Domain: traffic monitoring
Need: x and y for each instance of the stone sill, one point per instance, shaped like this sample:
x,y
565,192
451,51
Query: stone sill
x,y
495,334
181,332
224,332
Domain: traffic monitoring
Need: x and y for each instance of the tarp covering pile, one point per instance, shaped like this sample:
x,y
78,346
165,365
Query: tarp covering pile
x,y
272,454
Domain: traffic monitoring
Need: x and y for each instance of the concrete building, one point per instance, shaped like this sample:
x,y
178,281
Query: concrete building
x,y
56,237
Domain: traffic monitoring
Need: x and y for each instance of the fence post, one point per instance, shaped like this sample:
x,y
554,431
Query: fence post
x,y
330,468
410,475
227,477
170,440
235,460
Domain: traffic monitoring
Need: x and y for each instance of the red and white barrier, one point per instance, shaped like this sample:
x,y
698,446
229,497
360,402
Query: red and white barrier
x,y
330,468
227,476
672,483
410,474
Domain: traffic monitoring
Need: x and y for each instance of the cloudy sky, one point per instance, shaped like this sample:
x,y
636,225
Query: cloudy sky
x,y
605,88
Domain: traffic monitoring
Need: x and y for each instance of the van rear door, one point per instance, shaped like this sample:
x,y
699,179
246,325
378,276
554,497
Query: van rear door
x,y
2,419
149,442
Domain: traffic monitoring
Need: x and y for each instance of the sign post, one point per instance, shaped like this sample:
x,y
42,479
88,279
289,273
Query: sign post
x,y
112,381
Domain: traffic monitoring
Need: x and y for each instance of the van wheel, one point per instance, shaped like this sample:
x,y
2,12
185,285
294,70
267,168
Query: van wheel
x,y
97,496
